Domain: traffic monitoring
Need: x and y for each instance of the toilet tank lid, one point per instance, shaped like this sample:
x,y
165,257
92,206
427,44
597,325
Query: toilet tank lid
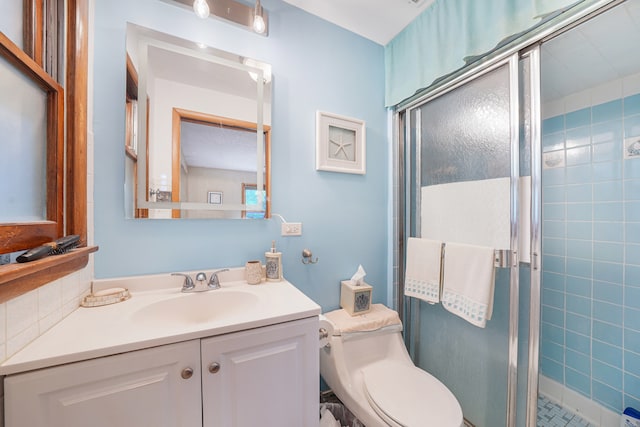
x,y
378,317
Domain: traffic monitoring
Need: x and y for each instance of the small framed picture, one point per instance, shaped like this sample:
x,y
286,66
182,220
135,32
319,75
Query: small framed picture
x,y
340,144
215,197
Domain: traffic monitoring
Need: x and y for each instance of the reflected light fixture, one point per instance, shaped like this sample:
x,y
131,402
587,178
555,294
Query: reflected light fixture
x,y
266,69
201,8
258,21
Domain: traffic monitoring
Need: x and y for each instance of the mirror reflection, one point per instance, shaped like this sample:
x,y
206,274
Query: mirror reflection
x,y
197,130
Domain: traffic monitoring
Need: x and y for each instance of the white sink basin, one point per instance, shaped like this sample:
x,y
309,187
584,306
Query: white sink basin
x,y
197,307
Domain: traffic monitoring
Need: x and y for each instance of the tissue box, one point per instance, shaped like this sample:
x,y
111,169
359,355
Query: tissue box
x,y
354,299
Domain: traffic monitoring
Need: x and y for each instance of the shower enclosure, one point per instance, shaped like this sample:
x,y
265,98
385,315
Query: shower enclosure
x,y
562,139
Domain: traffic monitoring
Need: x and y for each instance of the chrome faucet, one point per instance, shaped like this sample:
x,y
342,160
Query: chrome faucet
x,y
214,281
187,285
201,278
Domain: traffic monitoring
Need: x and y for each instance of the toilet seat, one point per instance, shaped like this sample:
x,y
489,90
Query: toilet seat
x,y
406,396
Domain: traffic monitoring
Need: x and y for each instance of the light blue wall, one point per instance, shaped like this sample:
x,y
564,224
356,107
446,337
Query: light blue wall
x,y
590,338
316,66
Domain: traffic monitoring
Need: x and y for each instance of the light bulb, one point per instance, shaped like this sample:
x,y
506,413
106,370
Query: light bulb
x,y
258,21
201,8
258,24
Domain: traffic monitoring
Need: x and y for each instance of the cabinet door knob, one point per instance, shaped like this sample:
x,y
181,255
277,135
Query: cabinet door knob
x,y
214,367
187,373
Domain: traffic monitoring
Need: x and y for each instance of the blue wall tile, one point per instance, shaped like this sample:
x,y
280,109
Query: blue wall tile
x,y
608,251
607,333
578,361
552,369
631,126
608,292
607,374
592,254
632,363
608,396
578,286
579,343
632,341
608,111
552,125
553,333
632,189
607,171
608,231
607,353
578,305
607,151
609,191
579,267
552,351
578,381
606,312
608,211
579,118
606,132
554,229
576,323
631,105
632,318
579,174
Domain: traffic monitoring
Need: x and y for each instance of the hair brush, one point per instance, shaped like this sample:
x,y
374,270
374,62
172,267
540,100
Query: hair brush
x,y
56,247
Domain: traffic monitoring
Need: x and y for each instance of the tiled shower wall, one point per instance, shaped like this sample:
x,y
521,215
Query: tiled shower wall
x,y
591,246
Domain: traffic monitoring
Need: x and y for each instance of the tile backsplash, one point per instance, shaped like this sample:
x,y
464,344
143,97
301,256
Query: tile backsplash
x,y
590,340
28,316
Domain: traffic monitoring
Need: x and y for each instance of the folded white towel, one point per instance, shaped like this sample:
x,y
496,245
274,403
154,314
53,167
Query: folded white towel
x,y
379,317
422,273
467,289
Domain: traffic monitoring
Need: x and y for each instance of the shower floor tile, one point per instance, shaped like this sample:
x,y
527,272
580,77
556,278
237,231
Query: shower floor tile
x,y
550,414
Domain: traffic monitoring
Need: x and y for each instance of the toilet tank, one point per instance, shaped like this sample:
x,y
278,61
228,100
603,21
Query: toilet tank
x,y
363,348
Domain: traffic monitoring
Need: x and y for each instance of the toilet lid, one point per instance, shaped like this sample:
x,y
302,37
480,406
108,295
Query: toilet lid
x,y
410,396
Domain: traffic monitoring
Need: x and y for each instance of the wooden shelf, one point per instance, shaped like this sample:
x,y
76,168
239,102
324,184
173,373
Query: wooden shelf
x,y
17,279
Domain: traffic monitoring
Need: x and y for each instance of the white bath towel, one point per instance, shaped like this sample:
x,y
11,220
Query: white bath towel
x,y
422,273
468,284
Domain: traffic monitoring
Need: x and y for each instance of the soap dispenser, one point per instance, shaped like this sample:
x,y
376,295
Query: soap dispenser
x,y
273,263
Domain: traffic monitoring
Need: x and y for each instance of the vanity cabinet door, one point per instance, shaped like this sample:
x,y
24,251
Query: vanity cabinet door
x,y
143,388
267,377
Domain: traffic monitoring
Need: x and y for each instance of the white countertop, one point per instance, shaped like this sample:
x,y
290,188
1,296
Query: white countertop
x,y
88,333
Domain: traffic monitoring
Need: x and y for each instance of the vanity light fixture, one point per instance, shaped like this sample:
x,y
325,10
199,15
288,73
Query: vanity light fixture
x,y
251,18
201,8
258,21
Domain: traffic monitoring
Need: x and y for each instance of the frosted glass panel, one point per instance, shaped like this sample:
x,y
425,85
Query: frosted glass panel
x,y
465,144
23,125
465,133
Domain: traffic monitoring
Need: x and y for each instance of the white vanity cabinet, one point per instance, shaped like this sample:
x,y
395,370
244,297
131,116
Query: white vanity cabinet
x,y
266,377
137,389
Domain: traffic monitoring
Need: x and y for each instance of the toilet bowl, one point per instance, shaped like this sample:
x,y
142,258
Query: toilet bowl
x,y
371,372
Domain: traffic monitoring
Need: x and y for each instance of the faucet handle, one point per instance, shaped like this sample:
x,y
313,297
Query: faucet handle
x,y
188,283
214,281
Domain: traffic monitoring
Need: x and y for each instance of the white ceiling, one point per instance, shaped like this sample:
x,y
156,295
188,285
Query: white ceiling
x,y
377,20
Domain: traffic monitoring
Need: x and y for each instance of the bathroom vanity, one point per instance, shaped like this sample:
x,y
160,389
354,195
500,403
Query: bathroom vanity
x,y
240,356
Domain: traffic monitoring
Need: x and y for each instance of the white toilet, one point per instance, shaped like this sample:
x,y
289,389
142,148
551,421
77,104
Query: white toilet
x,y
367,366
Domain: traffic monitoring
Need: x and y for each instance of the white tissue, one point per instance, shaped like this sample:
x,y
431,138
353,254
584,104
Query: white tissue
x,y
325,325
358,277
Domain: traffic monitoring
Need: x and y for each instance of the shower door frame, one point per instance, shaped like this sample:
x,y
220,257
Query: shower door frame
x,y
526,45
513,257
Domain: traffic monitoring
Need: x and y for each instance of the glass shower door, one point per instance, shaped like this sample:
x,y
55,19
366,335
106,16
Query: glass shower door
x,y
469,136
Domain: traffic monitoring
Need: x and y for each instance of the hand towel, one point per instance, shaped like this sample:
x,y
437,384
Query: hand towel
x,y
379,317
422,273
468,284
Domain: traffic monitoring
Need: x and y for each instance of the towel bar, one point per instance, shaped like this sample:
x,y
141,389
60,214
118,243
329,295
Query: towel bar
x,y
502,258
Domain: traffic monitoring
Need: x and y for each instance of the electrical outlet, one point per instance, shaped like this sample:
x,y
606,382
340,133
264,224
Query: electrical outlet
x,y
292,229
